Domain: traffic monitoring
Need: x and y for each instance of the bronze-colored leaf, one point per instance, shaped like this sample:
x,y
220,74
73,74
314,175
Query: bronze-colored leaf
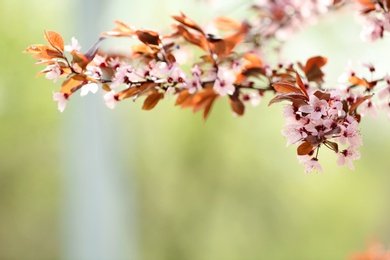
x,y
72,84
183,96
80,62
121,30
126,93
36,48
322,95
297,99
305,148
152,100
183,19
284,86
362,82
55,40
204,100
237,105
232,40
301,85
357,103
196,39
148,37
48,54
313,70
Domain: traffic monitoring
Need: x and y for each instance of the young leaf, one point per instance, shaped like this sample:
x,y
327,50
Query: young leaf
x,y
152,100
121,30
55,40
183,19
284,86
148,37
301,85
237,105
305,148
357,103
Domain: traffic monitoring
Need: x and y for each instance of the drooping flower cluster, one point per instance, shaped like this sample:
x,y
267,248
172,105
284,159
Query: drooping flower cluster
x,y
232,67
321,120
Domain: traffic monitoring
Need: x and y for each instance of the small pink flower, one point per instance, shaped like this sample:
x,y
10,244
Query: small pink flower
x,y
347,156
61,98
316,108
253,98
54,71
110,99
368,108
386,107
312,165
193,85
74,46
177,75
223,85
90,87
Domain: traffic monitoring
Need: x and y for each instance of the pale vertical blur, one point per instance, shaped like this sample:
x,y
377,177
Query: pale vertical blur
x,y
224,189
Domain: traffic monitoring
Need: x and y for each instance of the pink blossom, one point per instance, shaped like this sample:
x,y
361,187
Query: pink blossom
x,y
372,30
386,107
223,85
347,156
294,133
177,75
253,98
110,99
90,87
61,98
124,75
312,165
316,108
350,133
193,85
74,46
53,72
368,108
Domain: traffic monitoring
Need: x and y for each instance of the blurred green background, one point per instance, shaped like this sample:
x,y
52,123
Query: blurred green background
x,y
92,183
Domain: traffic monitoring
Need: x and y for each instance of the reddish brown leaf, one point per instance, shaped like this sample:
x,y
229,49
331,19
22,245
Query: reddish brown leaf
x,y
183,19
313,70
55,40
196,39
296,98
80,62
362,82
126,93
204,100
322,95
120,30
237,105
72,84
48,54
301,85
148,37
152,100
36,48
183,96
232,40
284,86
357,103
305,148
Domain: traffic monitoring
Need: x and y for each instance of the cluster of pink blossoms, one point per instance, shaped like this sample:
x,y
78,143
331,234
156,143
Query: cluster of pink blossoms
x,y
322,122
